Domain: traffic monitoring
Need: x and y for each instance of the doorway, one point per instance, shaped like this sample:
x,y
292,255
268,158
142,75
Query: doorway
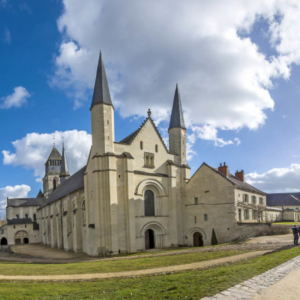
x,y
149,239
3,241
18,241
197,239
26,241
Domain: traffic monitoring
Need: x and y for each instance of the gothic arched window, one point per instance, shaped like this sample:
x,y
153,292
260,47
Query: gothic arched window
x,y
54,184
149,203
83,213
26,216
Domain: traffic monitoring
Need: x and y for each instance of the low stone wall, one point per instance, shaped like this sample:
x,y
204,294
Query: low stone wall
x,y
248,230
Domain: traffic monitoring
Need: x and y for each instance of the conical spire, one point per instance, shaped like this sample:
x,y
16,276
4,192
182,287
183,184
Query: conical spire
x,y
177,120
40,194
64,171
101,89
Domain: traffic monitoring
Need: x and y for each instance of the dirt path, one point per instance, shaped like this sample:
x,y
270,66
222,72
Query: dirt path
x,y
185,267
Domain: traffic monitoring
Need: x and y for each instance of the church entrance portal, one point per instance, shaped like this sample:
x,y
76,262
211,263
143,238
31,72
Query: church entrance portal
x,y
18,241
149,239
3,241
198,239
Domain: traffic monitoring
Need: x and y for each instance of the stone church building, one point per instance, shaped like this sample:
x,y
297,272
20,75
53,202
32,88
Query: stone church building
x,y
134,194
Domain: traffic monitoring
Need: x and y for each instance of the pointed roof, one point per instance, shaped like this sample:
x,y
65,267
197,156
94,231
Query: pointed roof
x,y
177,120
101,89
54,154
64,170
40,194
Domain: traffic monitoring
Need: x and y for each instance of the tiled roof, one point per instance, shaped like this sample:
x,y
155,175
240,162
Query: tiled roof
x,y
15,202
19,221
236,181
72,184
282,199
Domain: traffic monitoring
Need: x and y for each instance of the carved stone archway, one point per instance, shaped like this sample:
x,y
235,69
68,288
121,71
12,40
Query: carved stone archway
x,y
20,236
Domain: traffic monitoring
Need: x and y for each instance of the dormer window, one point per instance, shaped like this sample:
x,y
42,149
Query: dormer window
x,y
149,160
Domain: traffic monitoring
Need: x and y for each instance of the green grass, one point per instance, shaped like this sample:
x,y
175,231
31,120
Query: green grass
x,y
286,223
187,285
111,266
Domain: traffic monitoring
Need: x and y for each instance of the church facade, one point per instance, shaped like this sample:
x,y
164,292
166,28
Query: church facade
x,y
135,194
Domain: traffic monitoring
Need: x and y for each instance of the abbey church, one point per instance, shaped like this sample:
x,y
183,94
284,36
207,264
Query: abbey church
x,y
135,194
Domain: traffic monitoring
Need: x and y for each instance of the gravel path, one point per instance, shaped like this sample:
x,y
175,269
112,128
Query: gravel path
x,y
163,270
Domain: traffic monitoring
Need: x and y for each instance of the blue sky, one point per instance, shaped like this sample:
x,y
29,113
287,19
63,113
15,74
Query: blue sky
x,y
238,78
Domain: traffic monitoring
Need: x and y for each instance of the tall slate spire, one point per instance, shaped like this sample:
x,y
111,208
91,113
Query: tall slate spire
x,y
64,170
177,120
101,89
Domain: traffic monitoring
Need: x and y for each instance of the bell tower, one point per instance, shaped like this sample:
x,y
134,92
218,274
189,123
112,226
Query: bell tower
x,y
102,114
177,130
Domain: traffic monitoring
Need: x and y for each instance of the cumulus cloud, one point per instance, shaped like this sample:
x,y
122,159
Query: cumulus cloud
x,y
32,151
277,179
16,99
148,46
17,191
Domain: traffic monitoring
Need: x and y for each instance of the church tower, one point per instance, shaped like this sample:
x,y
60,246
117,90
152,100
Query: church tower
x,y
64,170
102,114
177,131
52,170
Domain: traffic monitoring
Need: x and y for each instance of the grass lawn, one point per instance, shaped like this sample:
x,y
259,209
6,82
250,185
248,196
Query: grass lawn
x,y
286,223
187,285
110,266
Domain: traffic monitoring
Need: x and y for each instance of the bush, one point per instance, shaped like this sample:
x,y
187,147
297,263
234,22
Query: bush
x,y
214,240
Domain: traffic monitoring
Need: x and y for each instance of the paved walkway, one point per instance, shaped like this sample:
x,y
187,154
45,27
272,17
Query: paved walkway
x,y
185,267
279,283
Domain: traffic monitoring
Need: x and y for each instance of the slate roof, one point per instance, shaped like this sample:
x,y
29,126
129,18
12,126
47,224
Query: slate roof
x,y
15,202
235,181
282,199
101,89
40,194
177,120
64,170
54,155
71,185
19,221
130,138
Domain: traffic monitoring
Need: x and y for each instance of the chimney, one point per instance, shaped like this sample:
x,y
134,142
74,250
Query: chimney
x,y
240,175
223,169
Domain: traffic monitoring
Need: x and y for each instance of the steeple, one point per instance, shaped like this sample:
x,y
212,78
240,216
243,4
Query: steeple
x,y
101,89
177,120
64,171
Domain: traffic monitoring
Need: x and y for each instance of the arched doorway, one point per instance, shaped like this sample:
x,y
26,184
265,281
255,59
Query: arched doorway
x,y
149,239
197,239
149,203
26,241
18,241
20,236
3,241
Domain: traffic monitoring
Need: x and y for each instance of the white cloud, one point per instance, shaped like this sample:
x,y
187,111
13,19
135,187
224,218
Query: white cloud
x,y
17,191
32,151
16,99
277,179
148,46
6,36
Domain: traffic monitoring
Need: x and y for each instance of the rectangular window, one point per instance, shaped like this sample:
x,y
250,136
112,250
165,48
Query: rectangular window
x,y
253,199
246,214
196,200
149,160
261,200
246,198
254,215
240,215
205,217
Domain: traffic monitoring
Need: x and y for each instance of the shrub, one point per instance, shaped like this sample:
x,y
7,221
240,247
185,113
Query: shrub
x,y
214,240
